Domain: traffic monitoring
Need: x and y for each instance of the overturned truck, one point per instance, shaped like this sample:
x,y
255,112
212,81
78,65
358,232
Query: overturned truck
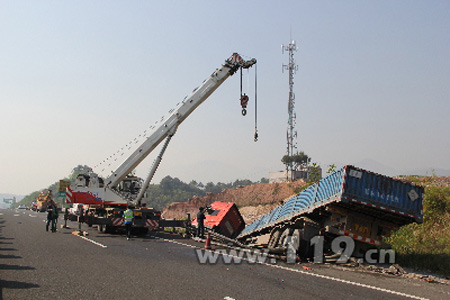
x,y
352,202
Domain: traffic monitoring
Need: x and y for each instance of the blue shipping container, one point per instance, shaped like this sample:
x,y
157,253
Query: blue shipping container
x,y
355,187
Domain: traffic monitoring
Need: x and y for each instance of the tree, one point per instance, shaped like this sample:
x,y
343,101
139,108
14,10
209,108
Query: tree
x,y
300,159
331,169
241,182
314,175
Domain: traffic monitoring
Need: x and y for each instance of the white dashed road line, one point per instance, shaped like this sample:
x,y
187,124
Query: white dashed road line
x,y
92,241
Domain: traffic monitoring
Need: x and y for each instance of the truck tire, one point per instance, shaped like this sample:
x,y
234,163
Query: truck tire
x,y
296,236
274,238
303,245
283,240
100,228
304,235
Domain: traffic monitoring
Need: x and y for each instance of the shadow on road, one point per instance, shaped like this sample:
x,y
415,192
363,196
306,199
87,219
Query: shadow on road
x,y
9,256
17,285
15,267
8,249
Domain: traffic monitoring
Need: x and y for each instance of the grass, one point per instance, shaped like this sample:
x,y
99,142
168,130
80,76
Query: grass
x,y
426,246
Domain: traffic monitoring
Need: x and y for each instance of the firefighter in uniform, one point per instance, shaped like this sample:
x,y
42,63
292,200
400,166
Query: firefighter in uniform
x,y
128,215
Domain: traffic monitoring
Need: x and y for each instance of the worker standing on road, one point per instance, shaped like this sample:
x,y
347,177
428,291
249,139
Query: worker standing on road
x,y
55,217
128,215
200,223
50,217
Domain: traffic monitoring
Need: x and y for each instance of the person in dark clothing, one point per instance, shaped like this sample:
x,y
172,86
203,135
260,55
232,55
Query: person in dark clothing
x,y
50,217
55,217
200,223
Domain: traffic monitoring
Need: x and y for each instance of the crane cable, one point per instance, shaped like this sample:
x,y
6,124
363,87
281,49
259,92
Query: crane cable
x,y
243,99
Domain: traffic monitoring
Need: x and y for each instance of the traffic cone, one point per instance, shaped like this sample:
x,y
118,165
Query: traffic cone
x,y
208,242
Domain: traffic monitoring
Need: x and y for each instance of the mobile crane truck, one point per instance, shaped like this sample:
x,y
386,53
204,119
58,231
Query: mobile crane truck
x,y
108,197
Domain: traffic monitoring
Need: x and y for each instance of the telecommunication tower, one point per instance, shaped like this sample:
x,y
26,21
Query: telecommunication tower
x,y
292,68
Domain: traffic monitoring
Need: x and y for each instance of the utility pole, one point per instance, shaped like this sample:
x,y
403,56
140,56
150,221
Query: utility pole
x,y
291,67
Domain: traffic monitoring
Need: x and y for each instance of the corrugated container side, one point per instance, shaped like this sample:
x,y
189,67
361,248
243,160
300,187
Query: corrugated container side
x,y
326,190
383,192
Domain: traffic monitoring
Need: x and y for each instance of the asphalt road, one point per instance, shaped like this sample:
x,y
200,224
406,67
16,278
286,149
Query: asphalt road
x,y
35,264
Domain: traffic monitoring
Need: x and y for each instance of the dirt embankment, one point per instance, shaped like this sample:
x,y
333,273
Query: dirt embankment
x,y
253,201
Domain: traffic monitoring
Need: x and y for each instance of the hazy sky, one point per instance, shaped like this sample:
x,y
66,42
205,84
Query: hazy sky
x,y
81,79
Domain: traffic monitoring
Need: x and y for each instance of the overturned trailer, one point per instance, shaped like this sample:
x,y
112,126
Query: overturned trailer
x,y
352,202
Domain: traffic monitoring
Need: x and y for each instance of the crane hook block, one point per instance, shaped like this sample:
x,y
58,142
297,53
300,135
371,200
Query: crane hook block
x,y
244,102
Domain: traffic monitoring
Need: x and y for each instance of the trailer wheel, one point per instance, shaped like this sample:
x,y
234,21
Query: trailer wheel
x,y
296,238
274,238
100,228
282,242
303,237
303,246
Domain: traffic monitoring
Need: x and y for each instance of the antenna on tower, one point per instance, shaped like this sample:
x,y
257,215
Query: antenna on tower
x,y
291,67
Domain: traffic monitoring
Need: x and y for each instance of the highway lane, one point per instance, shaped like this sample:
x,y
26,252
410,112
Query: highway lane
x,y
44,265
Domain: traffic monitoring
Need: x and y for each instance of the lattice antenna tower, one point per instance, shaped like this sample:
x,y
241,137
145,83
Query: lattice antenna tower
x,y
291,67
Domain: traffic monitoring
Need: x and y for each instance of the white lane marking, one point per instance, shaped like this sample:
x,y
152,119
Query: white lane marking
x,y
33,216
16,215
1,214
307,273
92,241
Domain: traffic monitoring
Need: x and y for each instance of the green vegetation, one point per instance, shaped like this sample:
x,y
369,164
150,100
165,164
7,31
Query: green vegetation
x,y
300,159
174,190
426,246
315,173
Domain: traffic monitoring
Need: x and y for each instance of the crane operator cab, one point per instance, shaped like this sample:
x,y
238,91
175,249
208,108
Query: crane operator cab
x,y
130,185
